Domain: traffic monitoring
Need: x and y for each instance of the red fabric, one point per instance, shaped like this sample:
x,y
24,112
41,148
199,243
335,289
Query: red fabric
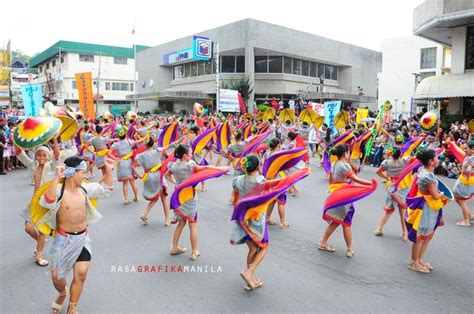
x,y
243,110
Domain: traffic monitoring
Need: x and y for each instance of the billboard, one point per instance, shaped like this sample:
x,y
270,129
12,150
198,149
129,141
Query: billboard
x,y
229,100
202,48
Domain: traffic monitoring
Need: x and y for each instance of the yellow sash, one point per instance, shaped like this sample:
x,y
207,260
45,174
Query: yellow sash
x,y
102,153
155,168
464,180
127,156
336,186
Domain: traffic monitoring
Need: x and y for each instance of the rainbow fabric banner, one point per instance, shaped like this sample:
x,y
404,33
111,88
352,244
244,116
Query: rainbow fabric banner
x,y
252,145
169,134
202,140
411,145
356,151
282,160
186,191
253,207
458,153
223,136
348,194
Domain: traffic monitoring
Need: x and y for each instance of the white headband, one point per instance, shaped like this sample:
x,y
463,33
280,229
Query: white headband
x,y
70,171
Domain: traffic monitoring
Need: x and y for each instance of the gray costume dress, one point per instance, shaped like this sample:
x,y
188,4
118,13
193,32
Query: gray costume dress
x,y
236,150
464,191
124,168
99,144
246,186
182,171
393,169
153,185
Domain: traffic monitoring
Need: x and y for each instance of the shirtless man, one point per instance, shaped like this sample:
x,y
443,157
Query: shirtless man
x,y
70,212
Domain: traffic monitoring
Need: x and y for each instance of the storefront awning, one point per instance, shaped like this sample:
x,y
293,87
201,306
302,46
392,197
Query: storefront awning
x,y
446,86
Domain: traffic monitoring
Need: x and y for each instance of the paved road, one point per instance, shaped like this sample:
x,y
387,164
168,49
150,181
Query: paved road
x,y
297,276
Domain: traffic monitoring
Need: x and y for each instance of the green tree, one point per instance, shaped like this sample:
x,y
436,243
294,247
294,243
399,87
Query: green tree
x,y
20,55
241,84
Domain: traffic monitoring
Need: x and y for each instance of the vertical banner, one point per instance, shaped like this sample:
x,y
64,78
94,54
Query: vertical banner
x,y
319,108
331,108
32,99
86,98
361,114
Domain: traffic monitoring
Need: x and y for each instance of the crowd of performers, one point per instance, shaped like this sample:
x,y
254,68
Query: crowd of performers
x,y
268,155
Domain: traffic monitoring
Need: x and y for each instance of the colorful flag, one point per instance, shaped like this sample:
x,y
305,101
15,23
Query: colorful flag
x,y
86,97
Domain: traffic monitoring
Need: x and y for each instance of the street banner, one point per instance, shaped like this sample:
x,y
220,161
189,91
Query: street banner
x,y
361,114
319,108
86,98
331,108
229,100
32,99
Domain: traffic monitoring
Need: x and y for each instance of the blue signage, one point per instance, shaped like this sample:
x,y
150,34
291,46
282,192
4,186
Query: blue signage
x,y
202,48
178,56
331,108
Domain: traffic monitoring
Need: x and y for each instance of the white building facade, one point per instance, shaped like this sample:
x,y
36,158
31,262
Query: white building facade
x,y
112,71
405,62
450,23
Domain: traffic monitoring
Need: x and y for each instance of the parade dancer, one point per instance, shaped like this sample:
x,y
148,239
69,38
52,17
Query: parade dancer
x,y
425,214
88,156
70,212
124,149
43,169
234,151
390,170
340,177
186,212
464,187
154,184
100,145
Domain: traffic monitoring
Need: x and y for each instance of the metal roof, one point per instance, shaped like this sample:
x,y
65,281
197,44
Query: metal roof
x,y
446,86
77,47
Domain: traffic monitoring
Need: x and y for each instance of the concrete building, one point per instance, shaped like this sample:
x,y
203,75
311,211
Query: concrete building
x,y
279,62
405,62
112,70
450,23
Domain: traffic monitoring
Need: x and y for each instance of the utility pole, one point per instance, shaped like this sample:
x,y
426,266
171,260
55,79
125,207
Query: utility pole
x,y
98,87
217,77
135,78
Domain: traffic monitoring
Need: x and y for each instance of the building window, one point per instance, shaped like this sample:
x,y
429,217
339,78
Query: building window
x,y
287,65
131,87
201,70
194,69
305,69
428,58
62,59
40,68
313,69
297,66
107,85
275,64
320,70
86,58
120,86
47,66
240,64
228,64
178,72
74,84
120,60
187,70
208,70
470,48
53,63
261,65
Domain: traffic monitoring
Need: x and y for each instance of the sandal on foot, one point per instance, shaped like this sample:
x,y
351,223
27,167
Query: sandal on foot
x,y
284,224
271,222
127,202
180,250
378,232
349,252
136,199
144,219
428,265
462,223
72,309
167,222
56,306
248,278
258,284
195,255
40,260
404,237
422,270
326,247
